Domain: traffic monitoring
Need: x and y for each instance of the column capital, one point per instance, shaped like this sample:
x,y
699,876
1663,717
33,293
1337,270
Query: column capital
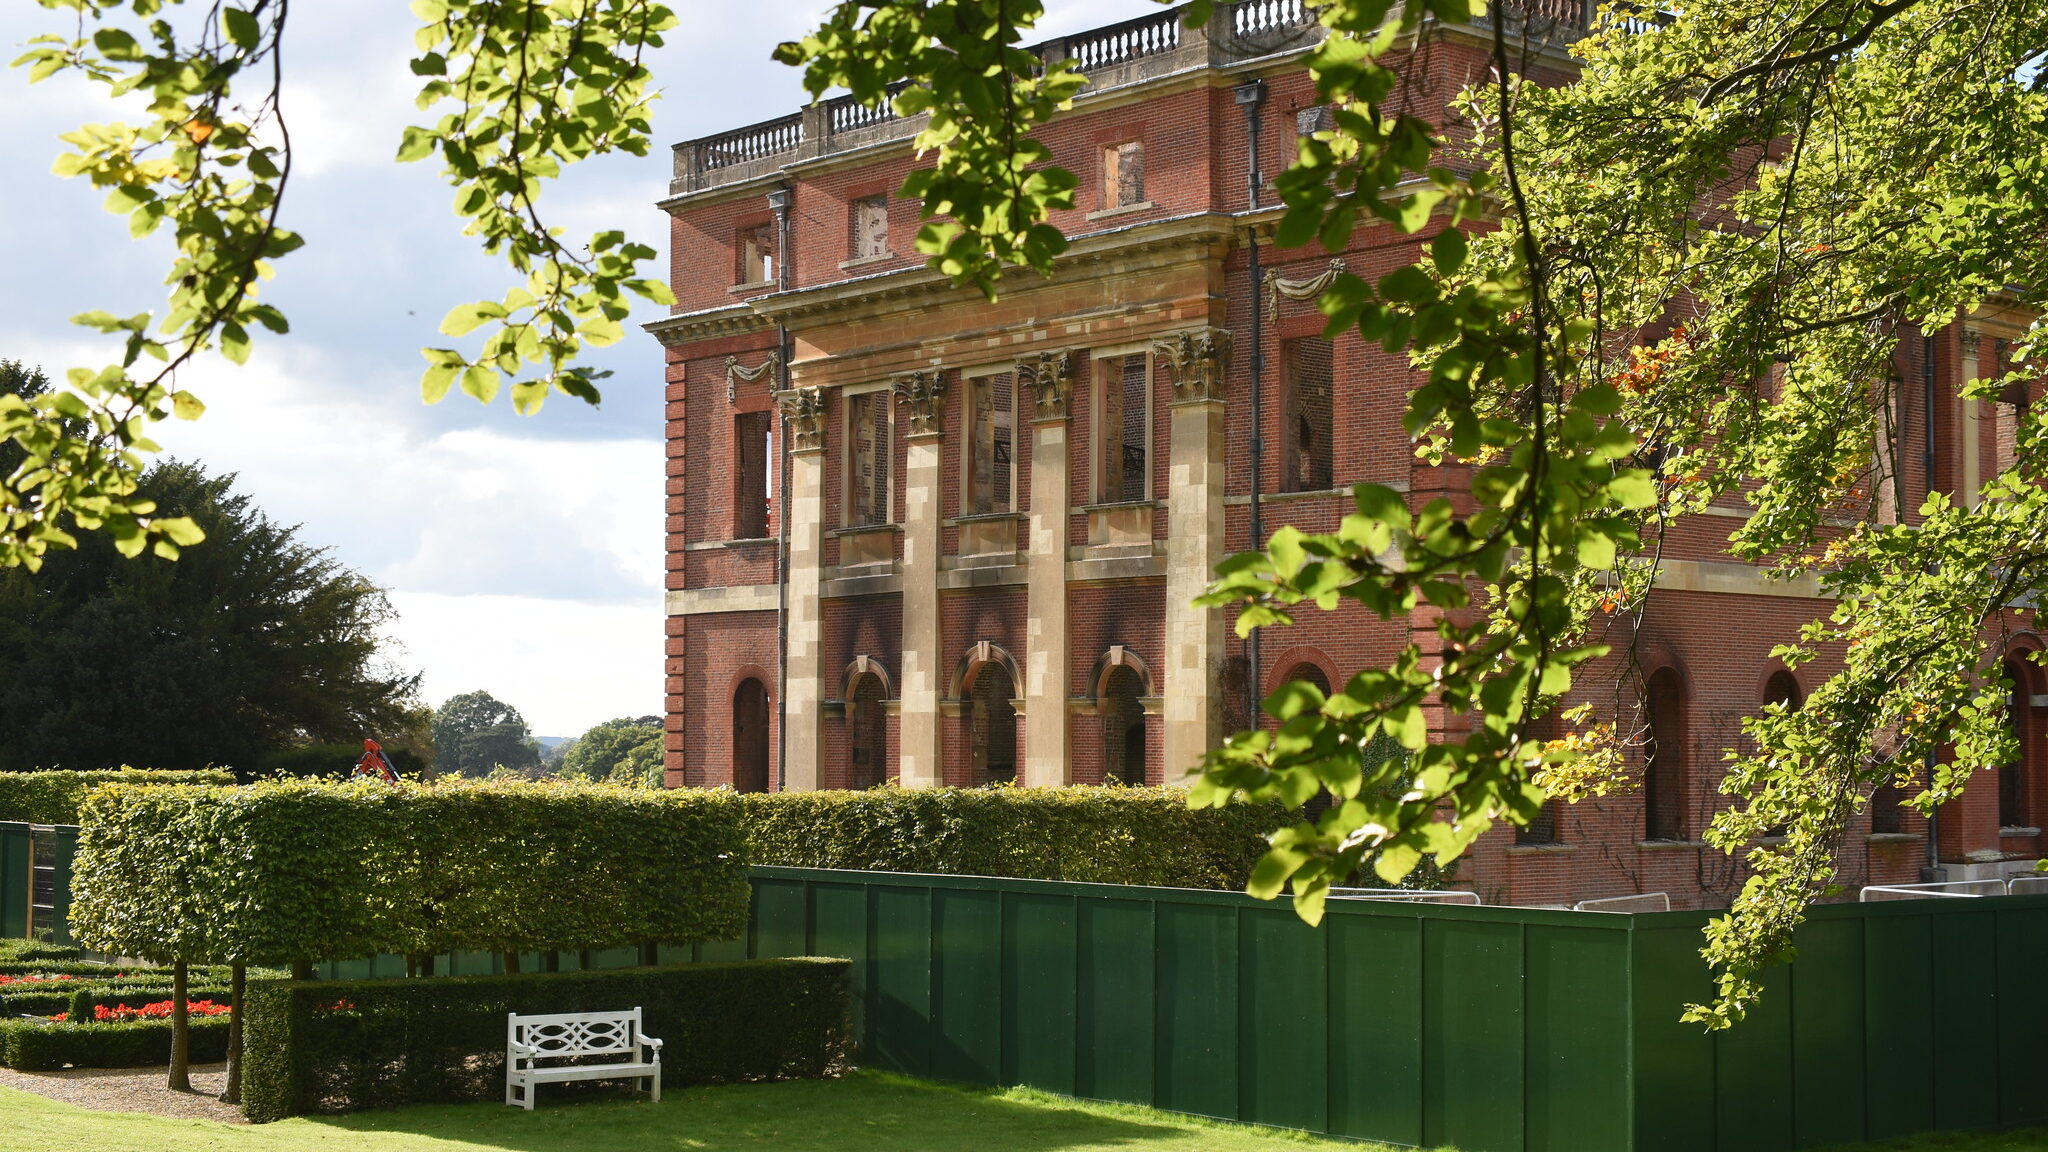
x,y
1195,359
1050,376
804,408
925,392
1972,340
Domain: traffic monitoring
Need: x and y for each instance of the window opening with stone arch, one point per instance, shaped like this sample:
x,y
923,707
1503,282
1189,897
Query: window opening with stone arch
x,y
1122,710
1664,756
992,727
750,736
1783,689
869,727
1313,675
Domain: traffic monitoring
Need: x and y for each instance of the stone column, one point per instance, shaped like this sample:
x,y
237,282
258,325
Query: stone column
x,y
804,667
1194,546
1051,380
919,763
1969,427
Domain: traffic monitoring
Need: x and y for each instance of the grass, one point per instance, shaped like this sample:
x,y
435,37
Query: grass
x,y
865,1112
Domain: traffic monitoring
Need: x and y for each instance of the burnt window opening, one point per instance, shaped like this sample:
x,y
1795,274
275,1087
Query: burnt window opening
x,y
1122,432
1664,758
1309,415
753,439
1122,710
868,223
870,731
750,737
992,434
1544,827
1782,689
756,246
1312,674
1123,175
992,728
868,458
1320,118
2013,806
1887,808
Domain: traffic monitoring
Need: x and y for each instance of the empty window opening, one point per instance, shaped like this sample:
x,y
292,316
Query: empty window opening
x,y
870,734
867,418
992,735
1783,688
753,435
1887,808
1309,415
2012,777
750,737
868,217
1123,175
1664,758
992,413
1123,728
1122,434
1543,828
757,254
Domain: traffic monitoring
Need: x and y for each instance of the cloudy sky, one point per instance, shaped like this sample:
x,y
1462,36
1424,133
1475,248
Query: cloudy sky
x,y
523,553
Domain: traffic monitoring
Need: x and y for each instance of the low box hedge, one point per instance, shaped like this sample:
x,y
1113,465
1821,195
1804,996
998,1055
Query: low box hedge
x,y
346,1045
1086,834
39,1045
34,951
52,797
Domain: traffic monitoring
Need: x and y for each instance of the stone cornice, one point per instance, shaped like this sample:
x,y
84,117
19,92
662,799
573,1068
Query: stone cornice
x,y
709,324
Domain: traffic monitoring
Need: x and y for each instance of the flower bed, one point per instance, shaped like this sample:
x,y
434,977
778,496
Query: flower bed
x,y
161,1010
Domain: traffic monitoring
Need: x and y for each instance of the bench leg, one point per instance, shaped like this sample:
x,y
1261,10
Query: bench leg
x,y
656,1078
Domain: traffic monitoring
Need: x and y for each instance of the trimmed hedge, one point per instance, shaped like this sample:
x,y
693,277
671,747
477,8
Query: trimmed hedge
x,y
34,1045
332,760
54,797
22,952
1094,835
345,1045
300,871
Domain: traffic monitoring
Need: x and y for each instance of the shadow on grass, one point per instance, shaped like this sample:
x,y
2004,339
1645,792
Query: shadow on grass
x,y
865,1112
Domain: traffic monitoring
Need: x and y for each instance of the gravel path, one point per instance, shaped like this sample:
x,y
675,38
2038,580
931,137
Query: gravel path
x,y
132,1090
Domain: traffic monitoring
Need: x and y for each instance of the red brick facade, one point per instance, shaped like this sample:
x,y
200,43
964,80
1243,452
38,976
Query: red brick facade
x,y
1178,260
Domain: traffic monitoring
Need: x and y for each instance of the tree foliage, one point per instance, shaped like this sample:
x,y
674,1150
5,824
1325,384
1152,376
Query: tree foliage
x,y
624,751
523,87
256,643
476,732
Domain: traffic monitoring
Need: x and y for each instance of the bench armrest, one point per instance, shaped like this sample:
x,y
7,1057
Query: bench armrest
x,y
651,1042
518,1049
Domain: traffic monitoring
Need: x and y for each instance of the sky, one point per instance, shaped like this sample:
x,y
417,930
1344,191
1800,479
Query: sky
x,y
523,555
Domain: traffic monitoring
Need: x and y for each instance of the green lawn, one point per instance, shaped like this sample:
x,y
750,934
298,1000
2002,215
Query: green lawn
x,y
865,1112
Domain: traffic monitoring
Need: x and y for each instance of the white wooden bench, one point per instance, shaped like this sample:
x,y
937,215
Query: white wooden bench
x,y
562,1036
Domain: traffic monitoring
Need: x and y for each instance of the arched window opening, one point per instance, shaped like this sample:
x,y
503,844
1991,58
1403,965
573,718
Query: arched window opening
x,y
1664,758
870,731
2012,777
993,730
1887,815
750,737
1543,827
1783,688
1123,728
1312,674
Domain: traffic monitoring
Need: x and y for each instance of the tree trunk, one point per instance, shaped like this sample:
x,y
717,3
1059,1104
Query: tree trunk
x,y
512,963
237,984
551,961
650,954
427,964
181,1076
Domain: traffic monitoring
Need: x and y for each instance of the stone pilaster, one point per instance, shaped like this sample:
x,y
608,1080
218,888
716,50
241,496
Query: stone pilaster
x,y
1970,413
919,763
1194,546
1050,380
804,667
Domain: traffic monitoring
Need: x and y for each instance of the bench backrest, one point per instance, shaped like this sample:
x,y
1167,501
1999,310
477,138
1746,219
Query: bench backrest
x,y
575,1033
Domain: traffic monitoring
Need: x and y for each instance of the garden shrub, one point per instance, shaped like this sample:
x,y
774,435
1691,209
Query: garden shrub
x,y
37,1045
1096,835
300,871
25,952
345,1045
53,797
331,760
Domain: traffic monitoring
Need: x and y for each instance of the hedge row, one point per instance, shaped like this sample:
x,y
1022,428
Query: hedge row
x,y
35,1045
300,871
22,952
1094,835
332,760
53,797
344,1045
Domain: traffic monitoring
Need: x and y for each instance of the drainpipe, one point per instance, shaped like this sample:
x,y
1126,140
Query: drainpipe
x,y
1251,95
1933,870
778,202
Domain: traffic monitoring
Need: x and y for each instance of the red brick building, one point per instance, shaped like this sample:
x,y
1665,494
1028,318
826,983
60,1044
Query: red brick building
x,y
994,516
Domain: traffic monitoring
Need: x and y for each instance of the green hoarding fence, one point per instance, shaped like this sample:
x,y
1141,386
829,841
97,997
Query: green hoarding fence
x,y
1494,1029
35,879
